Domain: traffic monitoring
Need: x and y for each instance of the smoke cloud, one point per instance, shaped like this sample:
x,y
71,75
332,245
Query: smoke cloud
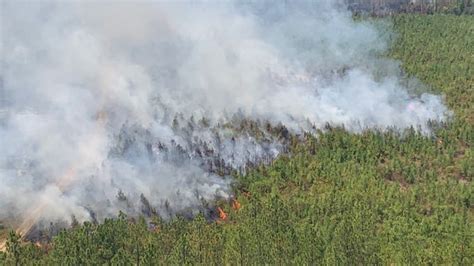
x,y
146,107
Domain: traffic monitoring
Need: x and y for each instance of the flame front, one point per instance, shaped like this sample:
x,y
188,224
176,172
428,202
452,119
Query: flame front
x,y
65,181
236,205
222,214
3,246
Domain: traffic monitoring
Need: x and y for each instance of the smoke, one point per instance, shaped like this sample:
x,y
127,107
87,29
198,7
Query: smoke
x,y
148,106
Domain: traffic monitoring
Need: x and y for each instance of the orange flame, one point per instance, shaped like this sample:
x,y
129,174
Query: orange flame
x,y
222,214
236,205
3,246
38,244
62,183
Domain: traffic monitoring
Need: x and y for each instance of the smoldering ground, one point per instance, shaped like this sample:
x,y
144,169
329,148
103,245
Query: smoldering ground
x,y
107,103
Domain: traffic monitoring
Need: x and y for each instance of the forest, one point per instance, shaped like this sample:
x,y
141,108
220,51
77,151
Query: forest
x,y
335,198
387,7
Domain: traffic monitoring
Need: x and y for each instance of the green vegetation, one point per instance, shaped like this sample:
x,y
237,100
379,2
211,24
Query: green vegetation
x,y
439,50
373,198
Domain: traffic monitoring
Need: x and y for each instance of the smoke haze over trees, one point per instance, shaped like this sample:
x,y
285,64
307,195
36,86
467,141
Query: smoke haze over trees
x,y
148,107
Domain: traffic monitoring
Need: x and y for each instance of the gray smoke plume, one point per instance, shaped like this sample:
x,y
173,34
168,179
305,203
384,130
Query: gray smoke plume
x,y
147,107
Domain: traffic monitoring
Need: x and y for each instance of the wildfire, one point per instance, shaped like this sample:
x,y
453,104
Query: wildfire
x,y
236,205
3,246
222,214
63,182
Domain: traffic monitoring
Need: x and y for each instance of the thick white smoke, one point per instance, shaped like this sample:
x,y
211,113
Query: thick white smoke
x,y
143,105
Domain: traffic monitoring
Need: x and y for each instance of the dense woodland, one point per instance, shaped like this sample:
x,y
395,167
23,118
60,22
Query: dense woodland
x,y
338,198
389,7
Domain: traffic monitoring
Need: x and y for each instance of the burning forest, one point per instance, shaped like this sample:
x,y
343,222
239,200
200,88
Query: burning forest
x,y
149,107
